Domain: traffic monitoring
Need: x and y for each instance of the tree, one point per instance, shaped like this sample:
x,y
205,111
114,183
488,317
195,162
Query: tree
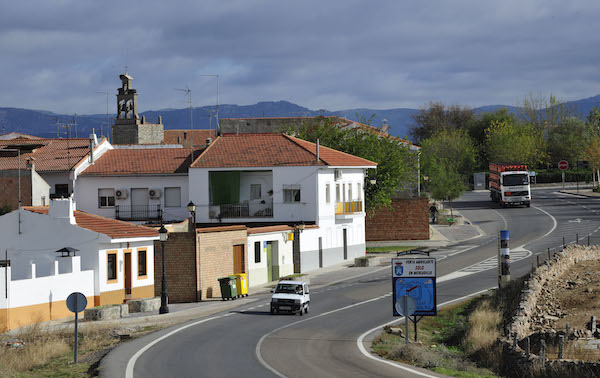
x,y
436,116
513,143
396,164
541,111
448,160
567,140
477,131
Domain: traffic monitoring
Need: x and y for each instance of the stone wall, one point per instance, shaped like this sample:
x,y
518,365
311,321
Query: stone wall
x,y
408,220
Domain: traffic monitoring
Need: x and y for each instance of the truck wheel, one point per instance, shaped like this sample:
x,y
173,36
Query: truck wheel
x,y
272,311
306,309
301,312
528,205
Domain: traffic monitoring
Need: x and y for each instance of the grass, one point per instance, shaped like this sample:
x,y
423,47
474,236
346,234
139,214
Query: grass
x,y
389,249
49,353
461,341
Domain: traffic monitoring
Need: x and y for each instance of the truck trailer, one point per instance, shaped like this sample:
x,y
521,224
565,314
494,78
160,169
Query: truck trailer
x,y
509,184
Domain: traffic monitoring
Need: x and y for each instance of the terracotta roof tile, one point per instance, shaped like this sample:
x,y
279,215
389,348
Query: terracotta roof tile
x,y
271,150
188,138
48,154
142,161
116,229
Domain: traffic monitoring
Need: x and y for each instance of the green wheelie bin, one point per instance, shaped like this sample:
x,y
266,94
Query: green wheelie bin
x,y
228,288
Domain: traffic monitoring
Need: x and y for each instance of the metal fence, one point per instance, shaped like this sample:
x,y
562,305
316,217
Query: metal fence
x,y
138,212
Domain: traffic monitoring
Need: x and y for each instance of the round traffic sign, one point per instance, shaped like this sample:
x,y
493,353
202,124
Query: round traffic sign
x,y
76,302
406,309
563,164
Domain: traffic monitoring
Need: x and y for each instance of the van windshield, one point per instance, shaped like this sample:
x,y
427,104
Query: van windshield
x,y
289,289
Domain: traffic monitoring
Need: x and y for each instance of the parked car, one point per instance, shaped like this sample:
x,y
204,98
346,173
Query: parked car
x,y
290,296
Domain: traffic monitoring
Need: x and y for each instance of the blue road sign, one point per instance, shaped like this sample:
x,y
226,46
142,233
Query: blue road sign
x,y
422,289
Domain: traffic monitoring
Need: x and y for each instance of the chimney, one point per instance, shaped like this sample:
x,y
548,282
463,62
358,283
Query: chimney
x,y
208,141
317,149
30,163
93,144
385,128
62,208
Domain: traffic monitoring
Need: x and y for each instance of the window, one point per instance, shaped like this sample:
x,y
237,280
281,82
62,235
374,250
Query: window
x,y
255,191
327,193
142,263
337,192
106,198
172,197
291,195
61,190
111,266
359,190
257,252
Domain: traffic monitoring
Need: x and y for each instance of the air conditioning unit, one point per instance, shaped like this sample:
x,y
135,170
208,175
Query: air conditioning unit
x,y
154,193
337,174
121,193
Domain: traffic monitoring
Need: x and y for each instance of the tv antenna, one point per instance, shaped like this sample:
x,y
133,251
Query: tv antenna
x,y
217,107
107,121
188,93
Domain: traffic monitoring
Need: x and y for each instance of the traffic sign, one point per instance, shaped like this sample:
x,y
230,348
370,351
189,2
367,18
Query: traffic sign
x,y
76,302
406,305
422,290
563,164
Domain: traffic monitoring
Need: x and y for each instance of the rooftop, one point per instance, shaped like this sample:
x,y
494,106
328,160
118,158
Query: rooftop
x,y
272,150
48,154
116,229
193,137
150,161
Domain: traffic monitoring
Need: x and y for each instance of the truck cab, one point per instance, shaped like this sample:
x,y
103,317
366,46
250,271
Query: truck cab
x,y
515,188
290,296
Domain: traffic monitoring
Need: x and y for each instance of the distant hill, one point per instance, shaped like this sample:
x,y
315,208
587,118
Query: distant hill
x,y
44,123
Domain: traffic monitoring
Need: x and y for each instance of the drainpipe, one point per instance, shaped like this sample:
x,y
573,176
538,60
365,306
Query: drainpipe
x,y
317,149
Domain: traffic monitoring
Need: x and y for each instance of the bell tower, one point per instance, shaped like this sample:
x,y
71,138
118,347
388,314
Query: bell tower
x,y
127,102
129,128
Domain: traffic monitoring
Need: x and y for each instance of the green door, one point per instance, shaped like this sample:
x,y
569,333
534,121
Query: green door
x,y
269,249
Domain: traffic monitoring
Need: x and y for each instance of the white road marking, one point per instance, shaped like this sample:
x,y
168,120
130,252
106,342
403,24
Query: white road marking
x,y
554,225
258,345
363,350
502,217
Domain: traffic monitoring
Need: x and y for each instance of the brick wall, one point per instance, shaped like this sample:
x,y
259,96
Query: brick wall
x,y
216,258
180,260
409,220
9,187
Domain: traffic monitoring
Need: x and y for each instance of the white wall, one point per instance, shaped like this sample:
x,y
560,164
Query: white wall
x,y
3,280
257,272
104,285
303,177
40,190
52,288
86,193
53,178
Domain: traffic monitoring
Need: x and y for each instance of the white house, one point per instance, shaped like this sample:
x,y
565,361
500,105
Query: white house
x,y
137,183
276,179
106,259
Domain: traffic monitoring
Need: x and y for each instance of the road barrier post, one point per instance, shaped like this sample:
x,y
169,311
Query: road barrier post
x,y
503,258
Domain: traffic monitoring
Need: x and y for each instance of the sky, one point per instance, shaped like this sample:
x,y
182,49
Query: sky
x,y
65,56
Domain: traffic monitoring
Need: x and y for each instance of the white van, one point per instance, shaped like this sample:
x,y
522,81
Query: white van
x,y
290,296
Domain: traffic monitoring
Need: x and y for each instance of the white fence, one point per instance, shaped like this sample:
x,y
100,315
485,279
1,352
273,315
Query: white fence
x,y
67,278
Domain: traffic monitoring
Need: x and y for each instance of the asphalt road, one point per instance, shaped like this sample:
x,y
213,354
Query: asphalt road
x,y
251,342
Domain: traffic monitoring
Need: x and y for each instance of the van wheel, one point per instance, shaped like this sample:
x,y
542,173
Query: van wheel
x,y
272,311
306,309
301,312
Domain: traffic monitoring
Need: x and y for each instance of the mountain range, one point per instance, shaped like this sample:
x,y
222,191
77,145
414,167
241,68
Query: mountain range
x,y
52,125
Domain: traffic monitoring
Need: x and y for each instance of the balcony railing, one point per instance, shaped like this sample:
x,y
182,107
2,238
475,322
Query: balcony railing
x,y
254,209
138,212
342,208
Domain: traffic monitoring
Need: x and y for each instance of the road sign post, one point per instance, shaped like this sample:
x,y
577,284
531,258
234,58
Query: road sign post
x,y
76,302
413,279
503,258
563,165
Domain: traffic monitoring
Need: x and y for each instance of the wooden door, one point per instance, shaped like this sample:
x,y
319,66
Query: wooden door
x,y
238,259
269,262
127,273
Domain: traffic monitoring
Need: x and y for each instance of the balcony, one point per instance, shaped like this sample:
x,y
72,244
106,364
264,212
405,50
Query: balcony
x,y
348,208
247,209
138,212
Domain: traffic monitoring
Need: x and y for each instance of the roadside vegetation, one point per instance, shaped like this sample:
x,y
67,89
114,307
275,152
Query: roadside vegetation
x,y
36,351
388,249
461,341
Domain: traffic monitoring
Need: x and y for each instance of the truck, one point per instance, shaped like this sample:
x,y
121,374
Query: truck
x,y
290,296
509,184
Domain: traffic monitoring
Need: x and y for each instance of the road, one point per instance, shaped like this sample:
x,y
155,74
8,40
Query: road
x,y
332,338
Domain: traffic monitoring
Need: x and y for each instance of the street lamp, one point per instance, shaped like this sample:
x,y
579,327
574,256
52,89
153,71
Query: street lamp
x,y
163,234
192,209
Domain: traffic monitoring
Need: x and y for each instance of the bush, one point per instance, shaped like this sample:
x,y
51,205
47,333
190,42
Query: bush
x,y
596,189
555,175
